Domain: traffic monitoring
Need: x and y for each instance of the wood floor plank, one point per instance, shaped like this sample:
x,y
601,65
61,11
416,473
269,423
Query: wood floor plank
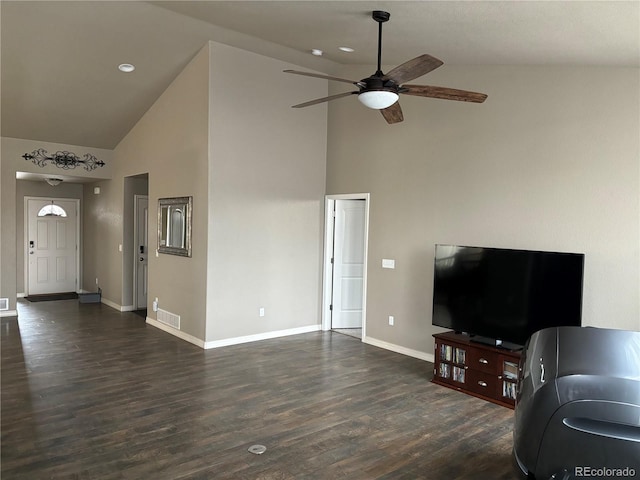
x,y
92,393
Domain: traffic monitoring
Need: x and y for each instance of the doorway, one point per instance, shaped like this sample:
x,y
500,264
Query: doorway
x,y
135,241
141,245
52,245
345,264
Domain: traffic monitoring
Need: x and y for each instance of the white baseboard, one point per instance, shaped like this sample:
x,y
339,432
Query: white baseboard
x,y
428,357
9,313
21,295
120,308
175,332
261,336
231,341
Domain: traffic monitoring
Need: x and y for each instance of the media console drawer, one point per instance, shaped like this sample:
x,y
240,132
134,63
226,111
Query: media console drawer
x,y
483,360
480,370
482,383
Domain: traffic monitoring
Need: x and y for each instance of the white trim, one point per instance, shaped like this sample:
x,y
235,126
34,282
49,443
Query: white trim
x,y
21,295
120,308
261,336
329,203
109,303
231,341
9,313
176,333
428,357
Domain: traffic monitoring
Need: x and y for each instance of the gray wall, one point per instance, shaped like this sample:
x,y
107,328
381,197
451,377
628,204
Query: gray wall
x,y
550,161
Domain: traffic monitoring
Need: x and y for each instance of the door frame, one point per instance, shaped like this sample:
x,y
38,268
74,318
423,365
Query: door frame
x,y
136,199
327,269
26,238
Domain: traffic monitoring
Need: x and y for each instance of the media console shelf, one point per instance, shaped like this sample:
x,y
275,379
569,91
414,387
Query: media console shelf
x,y
480,370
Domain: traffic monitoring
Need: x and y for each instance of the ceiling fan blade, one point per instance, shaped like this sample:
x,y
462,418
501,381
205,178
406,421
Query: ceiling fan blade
x,y
324,99
393,114
326,77
443,92
413,69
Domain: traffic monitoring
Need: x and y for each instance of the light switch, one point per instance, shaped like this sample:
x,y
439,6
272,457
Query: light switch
x,y
388,263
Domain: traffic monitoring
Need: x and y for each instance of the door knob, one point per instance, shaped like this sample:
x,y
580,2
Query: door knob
x,y
142,259
31,252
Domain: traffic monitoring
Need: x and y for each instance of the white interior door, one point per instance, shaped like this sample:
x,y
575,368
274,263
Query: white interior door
x,y
52,250
348,264
142,249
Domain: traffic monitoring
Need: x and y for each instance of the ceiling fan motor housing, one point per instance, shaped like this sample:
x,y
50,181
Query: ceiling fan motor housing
x,y
377,82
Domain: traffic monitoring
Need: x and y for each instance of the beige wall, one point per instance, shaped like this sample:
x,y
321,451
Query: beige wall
x,y
11,150
256,170
169,144
549,162
267,176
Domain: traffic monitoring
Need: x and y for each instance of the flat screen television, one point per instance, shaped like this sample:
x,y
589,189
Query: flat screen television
x,y
502,296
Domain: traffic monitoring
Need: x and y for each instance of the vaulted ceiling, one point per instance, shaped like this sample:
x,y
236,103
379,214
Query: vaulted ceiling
x,y
60,82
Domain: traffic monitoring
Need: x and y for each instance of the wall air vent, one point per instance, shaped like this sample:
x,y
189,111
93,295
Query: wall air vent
x,y
169,318
4,304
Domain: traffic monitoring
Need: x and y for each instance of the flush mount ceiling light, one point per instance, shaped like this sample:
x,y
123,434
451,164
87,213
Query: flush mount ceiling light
x,y
317,52
346,49
54,182
126,67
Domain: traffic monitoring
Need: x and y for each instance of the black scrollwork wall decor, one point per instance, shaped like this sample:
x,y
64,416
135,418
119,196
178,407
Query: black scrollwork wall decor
x,y
63,159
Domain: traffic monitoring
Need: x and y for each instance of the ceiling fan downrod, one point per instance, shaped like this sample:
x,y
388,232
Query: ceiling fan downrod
x,y
380,17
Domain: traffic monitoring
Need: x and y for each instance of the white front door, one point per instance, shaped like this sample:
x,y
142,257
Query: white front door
x,y
142,247
52,245
348,264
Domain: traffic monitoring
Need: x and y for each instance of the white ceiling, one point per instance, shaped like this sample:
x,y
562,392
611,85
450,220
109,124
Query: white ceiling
x,y
60,83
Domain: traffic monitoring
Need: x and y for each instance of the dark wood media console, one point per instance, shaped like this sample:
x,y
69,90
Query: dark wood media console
x,y
484,371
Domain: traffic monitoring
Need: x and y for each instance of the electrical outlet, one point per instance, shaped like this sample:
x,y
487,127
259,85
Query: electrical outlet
x,y
261,311
391,320
96,280
154,305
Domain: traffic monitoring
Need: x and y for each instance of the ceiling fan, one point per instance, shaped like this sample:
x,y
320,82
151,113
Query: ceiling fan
x,y
380,91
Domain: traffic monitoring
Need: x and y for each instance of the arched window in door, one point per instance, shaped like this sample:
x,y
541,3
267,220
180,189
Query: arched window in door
x,y
52,211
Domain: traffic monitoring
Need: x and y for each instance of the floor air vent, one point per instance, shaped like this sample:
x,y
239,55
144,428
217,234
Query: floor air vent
x,y
4,304
169,318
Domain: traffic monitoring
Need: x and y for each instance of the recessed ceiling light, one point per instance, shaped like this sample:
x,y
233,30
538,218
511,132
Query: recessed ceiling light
x,y
126,67
346,49
317,52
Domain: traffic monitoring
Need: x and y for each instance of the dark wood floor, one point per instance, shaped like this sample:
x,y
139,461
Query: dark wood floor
x,y
91,393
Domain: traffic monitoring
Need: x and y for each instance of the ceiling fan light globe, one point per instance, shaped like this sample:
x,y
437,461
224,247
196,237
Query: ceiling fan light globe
x,y
378,99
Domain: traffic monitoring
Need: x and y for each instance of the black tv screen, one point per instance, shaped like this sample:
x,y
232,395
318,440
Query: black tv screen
x,y
505,294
